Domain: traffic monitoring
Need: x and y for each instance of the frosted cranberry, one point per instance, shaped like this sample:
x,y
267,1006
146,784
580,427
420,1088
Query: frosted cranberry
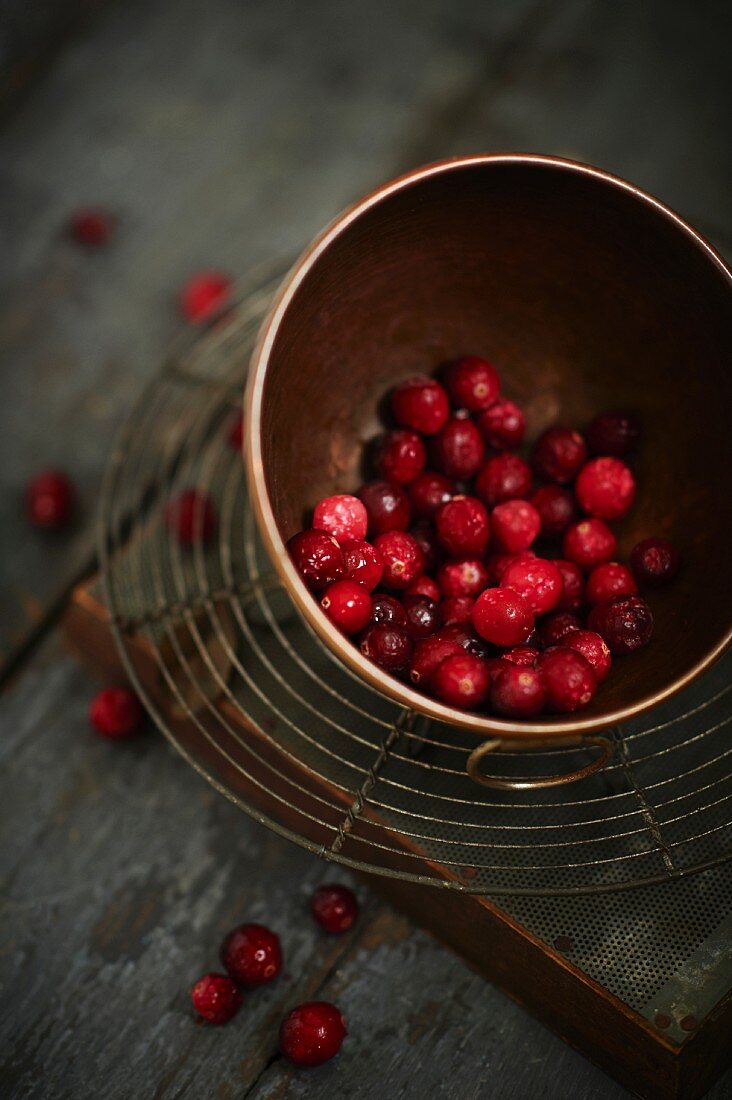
x,y
399,456
49,500
429,654
334,907
558,454
593,649
457,609
235,434
91,225
555,628
216,998
461,681
605,488
573,586
423,617
625,622
312,1033
524,655
251,954
472,383
613,433
654,561
504,477
388,609
317,557
502,617
427,540
458,449
462,527
608,580
343,516
424,586
515,524
387,645
348,605
428,491
402,556
496,564
502,425
420,403
466,577
537,580
556,508
387,506
517,692
569,680
363,563
116,714
191,517
589,543
204,295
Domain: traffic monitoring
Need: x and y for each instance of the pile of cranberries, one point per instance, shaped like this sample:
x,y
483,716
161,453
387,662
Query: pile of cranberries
x,y
486,580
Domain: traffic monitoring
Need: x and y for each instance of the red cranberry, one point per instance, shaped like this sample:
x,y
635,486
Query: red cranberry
x,y
387,507
502,425
423,618
420,403
348,605
312,1033
251,954
429,653
517,692
426,537
363,563
608,580
191,517
457,609
334,907
589,543
573,586
472,383
515,524
537,580
49,500
465,636
402,556
557,509
605,488
569,680
216,998
613,433
235,434
428,491
462,527
498,563
593,649
116,714
625,622
343,516
458,449
424,586
204,295
502,617
555,628
317,557
654,561
525,656
91,225
387,609
467,577
558,454
399,456
387,645
461,681
504,477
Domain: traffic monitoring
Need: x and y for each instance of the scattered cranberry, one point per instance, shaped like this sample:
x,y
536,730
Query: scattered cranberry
x,y
399,456
593,649
502,425
537,580
558,454
116,714
524,655
462,527
402,556
589,543
605,488
573,586
49,500
517,692
608,580
312,1033
251,954
424,586
458,449
343,516
388,609
428,491
204,295
472,383
423,617
235,434
625,622
613,433
502,617
191,517
426,537
363,563
456,609
348,605
462,578
91,225
555,628
334,907
216,998
387,645
387,507
429,654
515,524
317,557
556,508
504,477
461,681
420,403
569,680
654,561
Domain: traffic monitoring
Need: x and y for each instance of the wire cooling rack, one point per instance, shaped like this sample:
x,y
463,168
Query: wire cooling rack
x,y
258,705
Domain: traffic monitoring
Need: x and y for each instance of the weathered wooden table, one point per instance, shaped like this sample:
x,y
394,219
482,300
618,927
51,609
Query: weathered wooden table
x,y
226,134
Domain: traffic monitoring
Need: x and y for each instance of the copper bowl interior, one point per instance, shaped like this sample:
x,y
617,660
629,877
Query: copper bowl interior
x,y
587,295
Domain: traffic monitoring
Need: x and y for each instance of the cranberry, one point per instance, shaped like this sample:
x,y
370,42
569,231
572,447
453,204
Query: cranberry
x,y
555,628
608,580
343,516
317,557
593,649
312,1033
654,561
387,507
424,586
589,543
573,586
625,622
515,524
420,403
517,692
428,491
525,656
465,636
461,681
348,605
431,652
399,456
402,556
251,954
387,645
334,907
537,580
503,617
387,609
363,563
569,680
458,449
472,383
235,434
558,454
423,617
605,488
49,500
504,477
426,537
191,517
91,225
463,527
204,295
457,609
467,577
557,509
116,714
502,425
613,433
216,998
498,563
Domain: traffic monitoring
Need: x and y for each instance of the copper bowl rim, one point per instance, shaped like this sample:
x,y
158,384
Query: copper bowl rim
x,y
557,728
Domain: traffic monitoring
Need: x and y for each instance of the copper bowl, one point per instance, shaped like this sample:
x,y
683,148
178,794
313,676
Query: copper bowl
x,y
587,294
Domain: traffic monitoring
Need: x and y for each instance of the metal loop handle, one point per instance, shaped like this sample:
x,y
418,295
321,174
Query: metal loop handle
x,y
607,748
